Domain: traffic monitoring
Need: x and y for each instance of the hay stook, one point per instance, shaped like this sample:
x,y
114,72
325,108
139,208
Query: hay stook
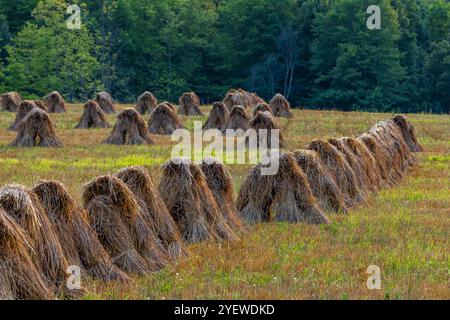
x,y
189,105
320,180
79,241
242,98
10,101
106,102
232,99
140,182
130,129
239,119
93,117
381,159
281,107
264,122
119,220
164,120
25,208
218,117
285,196
20,277
354,163
36,130
408,132
23,110
170,105
390,138
191,203
146,103
220,183
367,161
263,107
40,104
55,103
343,174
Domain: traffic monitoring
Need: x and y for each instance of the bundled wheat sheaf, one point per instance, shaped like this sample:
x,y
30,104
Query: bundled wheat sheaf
x,y
20,277
239,119
218,117
36,130
341,171
263,107
268,131
242,98
169,105
354,163
146,103
164,120
79,241
92,117
408,132
285,196
23,110
280,106
221,185
54,103
390,139
130,129
392,144
154,210
321,181
116,214
106,102
189,105
45,247
381,158
185,192
10,101
233,98
367,161
40,104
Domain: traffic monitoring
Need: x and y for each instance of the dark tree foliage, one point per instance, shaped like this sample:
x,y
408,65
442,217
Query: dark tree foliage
x,y
318,53
17,13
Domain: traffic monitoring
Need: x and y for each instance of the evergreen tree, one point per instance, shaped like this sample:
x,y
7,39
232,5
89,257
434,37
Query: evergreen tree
x,y
107,20
17,13
247,39
437,68
408,17
319,53
303,82
438,20
4,38
45,56
357,67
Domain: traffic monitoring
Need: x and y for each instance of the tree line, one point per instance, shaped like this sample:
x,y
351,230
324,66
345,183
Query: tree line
x,y
318,53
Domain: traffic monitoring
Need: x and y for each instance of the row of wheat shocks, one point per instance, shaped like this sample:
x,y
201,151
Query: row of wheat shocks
x,y
128,226
36,129
329,176
34,126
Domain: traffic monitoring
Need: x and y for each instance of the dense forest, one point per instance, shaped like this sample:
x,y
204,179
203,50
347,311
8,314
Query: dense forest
x,y
318,53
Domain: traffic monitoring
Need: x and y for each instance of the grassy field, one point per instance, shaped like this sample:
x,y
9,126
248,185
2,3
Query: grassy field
x,y
404,230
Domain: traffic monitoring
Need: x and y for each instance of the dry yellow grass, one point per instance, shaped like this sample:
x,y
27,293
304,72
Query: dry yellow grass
x,y
404,230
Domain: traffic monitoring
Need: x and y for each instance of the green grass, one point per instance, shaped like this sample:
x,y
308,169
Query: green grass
x,y
404,230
